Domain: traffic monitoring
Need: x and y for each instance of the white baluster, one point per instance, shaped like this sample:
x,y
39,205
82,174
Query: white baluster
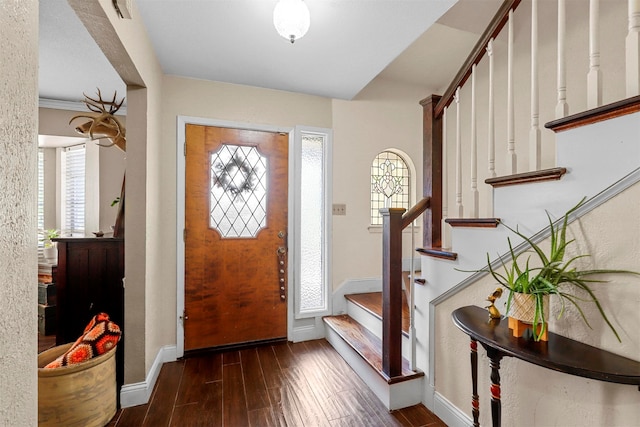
x,y
445,182
491,140
633,49
412,299
512,158
594,78
562,108
534,133
474,147
458,157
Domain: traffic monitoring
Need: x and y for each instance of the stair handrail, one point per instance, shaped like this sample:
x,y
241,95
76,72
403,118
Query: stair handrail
x,y
394,220
477,53
417,210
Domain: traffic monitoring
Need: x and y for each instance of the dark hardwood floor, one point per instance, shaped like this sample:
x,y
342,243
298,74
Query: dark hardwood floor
x,y
302,384
45,342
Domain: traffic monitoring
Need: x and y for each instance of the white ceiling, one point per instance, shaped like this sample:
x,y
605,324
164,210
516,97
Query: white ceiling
x,y
350,43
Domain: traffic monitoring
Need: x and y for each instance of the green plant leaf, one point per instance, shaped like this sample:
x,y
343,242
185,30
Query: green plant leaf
x,y
553,275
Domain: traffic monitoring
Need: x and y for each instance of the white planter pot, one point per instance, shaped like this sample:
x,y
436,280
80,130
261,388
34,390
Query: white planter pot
x,y
50,253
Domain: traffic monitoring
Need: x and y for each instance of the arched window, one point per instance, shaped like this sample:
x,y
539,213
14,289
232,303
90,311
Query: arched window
x,y
390,184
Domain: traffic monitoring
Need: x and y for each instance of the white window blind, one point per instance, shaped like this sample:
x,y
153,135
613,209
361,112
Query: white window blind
x,y
73,187
40,194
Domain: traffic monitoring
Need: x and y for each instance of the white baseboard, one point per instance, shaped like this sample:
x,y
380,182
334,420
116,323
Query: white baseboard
x,y
308,333
140,393
449,413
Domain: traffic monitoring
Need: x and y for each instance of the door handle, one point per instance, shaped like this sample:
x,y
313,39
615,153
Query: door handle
x,y
282,272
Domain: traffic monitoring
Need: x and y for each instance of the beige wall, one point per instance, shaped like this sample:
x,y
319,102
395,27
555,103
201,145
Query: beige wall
x,y
18,237
536,396
384,115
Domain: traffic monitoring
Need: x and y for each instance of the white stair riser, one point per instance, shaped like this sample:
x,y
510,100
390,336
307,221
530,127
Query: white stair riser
x,y
393,396
374,324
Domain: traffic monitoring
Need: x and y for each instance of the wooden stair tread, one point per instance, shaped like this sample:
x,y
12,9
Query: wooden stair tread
x,y
473,222
372,303
367,345
604,112
438,253
552,174
406,276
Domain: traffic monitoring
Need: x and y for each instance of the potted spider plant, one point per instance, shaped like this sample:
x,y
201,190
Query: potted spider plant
x,y
50,251
552,275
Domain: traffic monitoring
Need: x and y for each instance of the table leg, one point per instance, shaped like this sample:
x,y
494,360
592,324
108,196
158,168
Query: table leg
x,y
496,405
475,399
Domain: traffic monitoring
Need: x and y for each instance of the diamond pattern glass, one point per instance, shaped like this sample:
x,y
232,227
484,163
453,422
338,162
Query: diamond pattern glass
x,y
238,191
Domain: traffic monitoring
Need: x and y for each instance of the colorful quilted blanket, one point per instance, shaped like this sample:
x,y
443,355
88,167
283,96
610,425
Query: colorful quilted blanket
x,y
100,336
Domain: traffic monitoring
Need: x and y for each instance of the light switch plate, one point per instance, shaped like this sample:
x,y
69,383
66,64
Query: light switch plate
x,y
339,209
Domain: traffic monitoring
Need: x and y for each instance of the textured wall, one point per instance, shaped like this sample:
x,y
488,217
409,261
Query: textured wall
x,y
18,170
535,396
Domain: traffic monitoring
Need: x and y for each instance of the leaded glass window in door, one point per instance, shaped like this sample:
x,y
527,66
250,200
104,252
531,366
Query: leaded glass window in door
x,y
238,191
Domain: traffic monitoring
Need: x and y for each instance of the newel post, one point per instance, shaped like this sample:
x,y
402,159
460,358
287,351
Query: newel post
x,y
432,171
392,291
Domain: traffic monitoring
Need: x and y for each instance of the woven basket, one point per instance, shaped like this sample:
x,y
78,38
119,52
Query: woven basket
x,y
82,395
523,307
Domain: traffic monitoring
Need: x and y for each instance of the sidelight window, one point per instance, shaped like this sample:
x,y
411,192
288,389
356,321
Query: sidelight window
x,y
312,154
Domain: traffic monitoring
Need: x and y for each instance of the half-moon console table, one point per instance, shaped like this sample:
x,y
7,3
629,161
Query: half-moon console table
x,y
559,353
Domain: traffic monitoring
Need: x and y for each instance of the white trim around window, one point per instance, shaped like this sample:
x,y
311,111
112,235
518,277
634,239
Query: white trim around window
x,y
312,226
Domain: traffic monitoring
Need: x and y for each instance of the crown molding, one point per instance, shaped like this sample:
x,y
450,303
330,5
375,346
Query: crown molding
x,y
71,105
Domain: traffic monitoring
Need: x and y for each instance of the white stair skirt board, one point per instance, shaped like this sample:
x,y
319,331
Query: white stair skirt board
x,y
374,324
449,413
139,393
393,396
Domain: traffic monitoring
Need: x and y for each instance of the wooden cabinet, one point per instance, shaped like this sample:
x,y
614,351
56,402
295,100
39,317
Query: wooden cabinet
x,y
89,281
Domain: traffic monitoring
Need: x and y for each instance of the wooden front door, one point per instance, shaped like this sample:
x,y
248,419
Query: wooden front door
x,y
235,236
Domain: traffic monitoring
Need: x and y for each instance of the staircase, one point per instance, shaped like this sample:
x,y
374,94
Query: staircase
x,y
594,153
357,337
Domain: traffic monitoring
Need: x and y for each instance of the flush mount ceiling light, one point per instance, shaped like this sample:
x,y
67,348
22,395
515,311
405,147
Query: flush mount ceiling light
x,y
291,19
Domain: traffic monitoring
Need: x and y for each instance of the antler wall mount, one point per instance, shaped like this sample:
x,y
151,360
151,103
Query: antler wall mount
x,y
103,123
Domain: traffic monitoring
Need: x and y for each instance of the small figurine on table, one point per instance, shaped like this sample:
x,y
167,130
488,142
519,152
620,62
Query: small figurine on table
x,y
493,311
